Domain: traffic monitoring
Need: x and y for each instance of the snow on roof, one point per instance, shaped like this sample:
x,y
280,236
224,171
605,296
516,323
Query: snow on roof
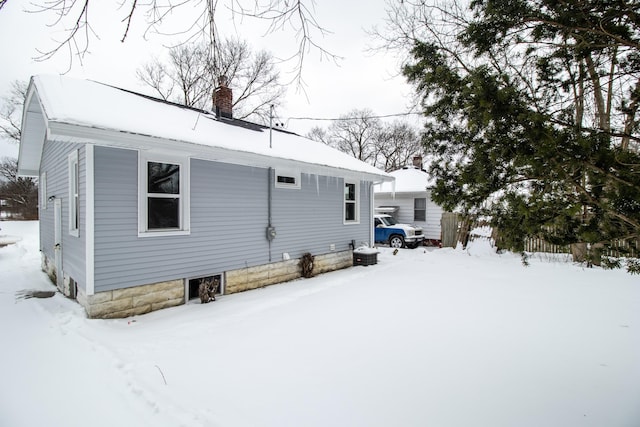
x,y
95,105
408,180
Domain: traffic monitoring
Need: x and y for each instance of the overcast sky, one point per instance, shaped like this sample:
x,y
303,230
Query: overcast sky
x,y
361,79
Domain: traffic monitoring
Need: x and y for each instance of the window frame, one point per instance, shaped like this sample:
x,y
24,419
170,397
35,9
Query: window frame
x,y
144,158
355,202
74,193
287,174
415,209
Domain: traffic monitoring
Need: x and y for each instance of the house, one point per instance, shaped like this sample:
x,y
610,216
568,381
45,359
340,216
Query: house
x,y
408,199
141,199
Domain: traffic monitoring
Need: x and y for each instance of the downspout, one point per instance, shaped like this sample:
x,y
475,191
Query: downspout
x,y
371,215
270,230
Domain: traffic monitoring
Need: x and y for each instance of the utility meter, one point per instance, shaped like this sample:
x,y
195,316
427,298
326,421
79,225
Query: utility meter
x,y
271,233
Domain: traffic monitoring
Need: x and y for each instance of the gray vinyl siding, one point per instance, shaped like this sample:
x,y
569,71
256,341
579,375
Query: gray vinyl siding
x,y
55,163
229,217
404,201
310,219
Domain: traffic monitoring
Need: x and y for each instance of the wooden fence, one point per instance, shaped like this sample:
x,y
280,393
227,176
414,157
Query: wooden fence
x,y
456,229
535,244
619,248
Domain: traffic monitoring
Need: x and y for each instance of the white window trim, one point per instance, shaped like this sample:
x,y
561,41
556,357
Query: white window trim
x,y
356,201
42,185
74,194
294,175
185,189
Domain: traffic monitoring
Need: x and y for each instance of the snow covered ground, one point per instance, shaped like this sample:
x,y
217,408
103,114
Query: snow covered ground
x,y
436,337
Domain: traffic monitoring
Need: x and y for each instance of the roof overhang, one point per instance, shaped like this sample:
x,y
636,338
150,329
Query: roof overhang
x,y
73,133
32,135
43,122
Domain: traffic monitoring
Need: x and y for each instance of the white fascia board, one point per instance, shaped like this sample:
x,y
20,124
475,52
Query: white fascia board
x,y
75,133
28,173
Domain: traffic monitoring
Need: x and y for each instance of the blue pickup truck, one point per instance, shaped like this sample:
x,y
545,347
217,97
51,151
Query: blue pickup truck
x,y
388,230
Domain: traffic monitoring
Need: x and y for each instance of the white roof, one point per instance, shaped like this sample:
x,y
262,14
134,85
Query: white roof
x,y
407,180
67,108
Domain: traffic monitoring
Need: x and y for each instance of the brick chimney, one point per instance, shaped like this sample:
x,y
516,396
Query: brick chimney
x,y
417,162
223,99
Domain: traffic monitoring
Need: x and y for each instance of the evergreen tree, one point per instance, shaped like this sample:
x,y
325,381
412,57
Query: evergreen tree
x,y
532,115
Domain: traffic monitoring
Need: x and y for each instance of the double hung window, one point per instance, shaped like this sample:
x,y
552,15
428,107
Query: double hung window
x,y
351,208
74,194
164,196
420,209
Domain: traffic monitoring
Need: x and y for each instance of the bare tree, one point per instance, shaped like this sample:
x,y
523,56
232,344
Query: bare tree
x,y
11,111
319,134
183,78
354,133
364,136
190,74
21,194
397,143
75,20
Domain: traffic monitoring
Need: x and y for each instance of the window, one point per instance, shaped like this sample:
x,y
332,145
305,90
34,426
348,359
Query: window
x,y
74,194
351,211
420,209
287,180
214,282
42,186
163,196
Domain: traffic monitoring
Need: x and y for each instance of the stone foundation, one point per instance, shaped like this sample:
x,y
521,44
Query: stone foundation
x,y
268,274
132,301
143,299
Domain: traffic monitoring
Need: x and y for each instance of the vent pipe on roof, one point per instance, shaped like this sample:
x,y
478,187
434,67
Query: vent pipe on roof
x,y
223,99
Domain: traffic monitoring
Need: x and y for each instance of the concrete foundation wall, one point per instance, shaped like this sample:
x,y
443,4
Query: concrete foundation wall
x,y
143,299
133,301
268,274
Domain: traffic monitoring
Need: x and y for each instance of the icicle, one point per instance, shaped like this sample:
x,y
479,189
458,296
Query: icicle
x,y
317,185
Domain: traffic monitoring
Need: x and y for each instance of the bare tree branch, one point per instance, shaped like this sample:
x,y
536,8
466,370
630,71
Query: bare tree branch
x,y
20,193
11,111
189,77
128,20
297,16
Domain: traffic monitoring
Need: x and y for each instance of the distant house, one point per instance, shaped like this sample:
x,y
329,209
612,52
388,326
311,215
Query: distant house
x,y
408,199
141,199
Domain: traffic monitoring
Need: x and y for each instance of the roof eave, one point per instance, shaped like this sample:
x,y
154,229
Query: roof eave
x,y
33,133
71,132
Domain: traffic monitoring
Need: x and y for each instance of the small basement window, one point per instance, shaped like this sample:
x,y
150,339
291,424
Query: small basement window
x,y
287,180
194,285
